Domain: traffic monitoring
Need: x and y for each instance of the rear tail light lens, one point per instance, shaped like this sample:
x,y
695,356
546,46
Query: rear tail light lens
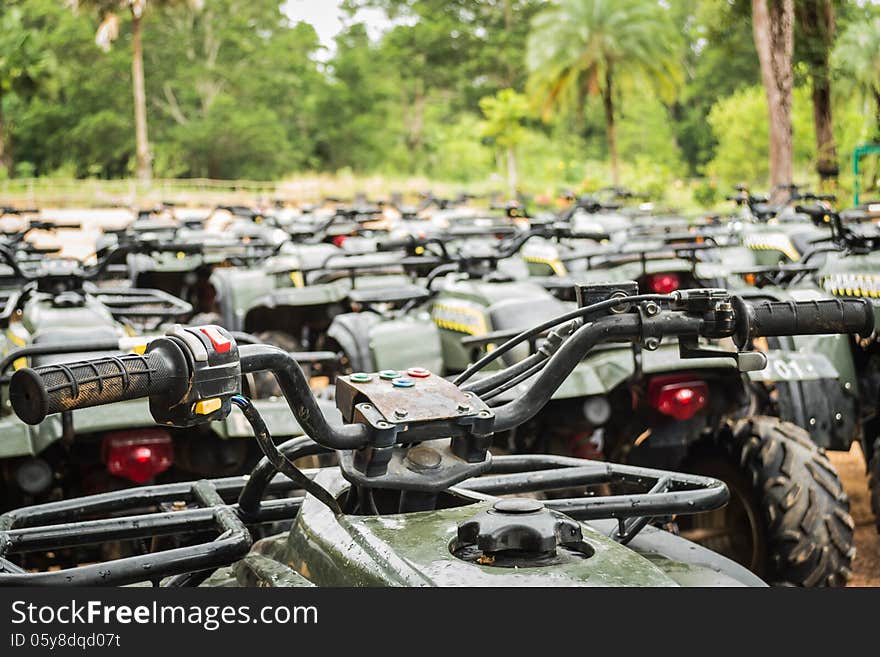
x,y
339,240
678,397
663,283
138,456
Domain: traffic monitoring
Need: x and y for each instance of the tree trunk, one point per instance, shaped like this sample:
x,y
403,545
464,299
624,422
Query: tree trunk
x,y
773,28
818,23
826,147
876,92
512,173
5,150
610,128
144,168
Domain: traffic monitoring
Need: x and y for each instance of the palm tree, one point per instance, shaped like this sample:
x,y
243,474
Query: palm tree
x,y
107,32
578,48
857,56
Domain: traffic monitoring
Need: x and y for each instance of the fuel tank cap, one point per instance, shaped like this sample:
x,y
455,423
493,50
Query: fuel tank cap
x,y
519,525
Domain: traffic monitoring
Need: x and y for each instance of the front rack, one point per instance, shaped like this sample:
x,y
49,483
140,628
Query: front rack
x,y
227,508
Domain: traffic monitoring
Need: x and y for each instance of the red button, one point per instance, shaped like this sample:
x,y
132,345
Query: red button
x,y
221,343
418,372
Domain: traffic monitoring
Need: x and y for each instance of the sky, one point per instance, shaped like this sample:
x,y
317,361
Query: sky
x,y
326,17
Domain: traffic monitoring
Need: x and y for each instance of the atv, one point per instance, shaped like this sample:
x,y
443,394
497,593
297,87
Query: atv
x,y
629,412
53,311
417,498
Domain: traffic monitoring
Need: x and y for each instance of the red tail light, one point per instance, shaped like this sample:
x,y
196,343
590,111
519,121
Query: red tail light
x,y
677,396
138,455
663,283
339,240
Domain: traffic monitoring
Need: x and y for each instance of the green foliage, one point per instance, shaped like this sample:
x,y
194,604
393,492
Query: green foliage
x,y
706,194
575,44
739,123
856,58
234,89
505,113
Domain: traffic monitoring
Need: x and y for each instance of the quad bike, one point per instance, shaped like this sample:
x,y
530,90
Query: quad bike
x,y
846,265
650,405
417,498
52,311
799,401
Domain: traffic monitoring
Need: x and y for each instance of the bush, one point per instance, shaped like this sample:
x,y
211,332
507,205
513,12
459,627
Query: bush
x,y
740,124
706,194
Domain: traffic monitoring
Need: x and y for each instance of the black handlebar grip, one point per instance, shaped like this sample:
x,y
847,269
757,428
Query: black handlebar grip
x,y
777,318
397,244
36,393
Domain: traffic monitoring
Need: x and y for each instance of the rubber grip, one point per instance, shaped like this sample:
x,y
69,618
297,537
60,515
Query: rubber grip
x,y
396,244
777,318
36,393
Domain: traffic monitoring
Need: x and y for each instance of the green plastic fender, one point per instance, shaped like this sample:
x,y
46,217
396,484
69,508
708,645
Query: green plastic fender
x,y
20,439
399,344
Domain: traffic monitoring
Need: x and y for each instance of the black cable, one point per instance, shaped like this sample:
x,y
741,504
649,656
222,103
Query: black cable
x,y
277,459
484,385
513,382
251,495
583,312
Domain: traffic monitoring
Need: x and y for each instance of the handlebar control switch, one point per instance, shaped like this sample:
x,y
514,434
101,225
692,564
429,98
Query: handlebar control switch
x,y
215,376
587,295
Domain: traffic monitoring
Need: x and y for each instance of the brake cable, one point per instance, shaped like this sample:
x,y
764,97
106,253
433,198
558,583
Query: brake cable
x,y
284,465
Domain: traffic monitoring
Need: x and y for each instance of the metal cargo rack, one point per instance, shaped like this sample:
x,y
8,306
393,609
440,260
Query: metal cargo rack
x,y
224,509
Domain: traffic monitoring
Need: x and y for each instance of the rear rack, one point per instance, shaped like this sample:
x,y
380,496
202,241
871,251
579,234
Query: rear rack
x,y
129,303
197,508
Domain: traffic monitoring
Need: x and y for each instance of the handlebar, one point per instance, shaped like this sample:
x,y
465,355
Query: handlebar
x,y
173,380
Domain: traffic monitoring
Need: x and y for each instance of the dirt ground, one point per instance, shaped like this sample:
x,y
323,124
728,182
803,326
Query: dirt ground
x,y
866,566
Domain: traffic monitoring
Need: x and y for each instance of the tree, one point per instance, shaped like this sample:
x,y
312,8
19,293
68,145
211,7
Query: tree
x,y
505,112
857,57
773,29
22,62
581,47
817,23
108,31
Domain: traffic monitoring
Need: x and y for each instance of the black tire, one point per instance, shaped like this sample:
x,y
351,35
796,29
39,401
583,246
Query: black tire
x,y
789,496
874,482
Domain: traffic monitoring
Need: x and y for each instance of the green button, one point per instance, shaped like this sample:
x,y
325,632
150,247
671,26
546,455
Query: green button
x,y
361,377
389,374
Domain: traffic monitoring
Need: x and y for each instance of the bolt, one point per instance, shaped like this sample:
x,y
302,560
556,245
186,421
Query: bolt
x,y
464,408
812,422
838,417
651,344
400,412
651,309
847,385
